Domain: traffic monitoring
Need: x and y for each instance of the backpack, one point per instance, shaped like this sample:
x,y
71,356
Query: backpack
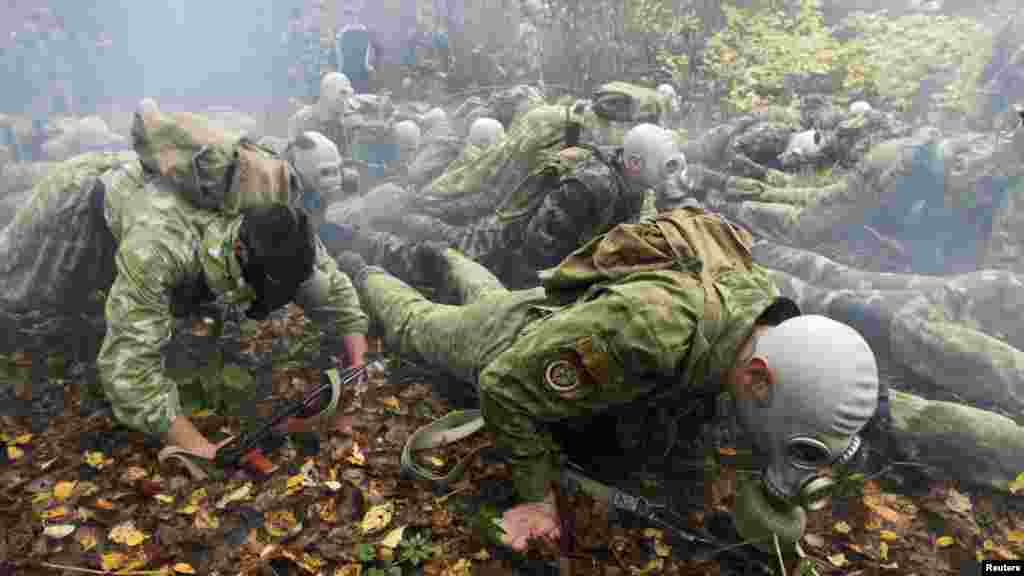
x,y
624,102
211,168
697,244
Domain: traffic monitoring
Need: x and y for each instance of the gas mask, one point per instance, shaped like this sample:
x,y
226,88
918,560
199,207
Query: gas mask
x,y
824,391
803,147
485,131
318,163
335,90
659,154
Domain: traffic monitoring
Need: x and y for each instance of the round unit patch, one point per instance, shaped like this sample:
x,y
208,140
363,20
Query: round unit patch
x,y
562,376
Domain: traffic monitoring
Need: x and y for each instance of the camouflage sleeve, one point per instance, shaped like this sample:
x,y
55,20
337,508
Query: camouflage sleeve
x,y
329,299
563,222
580,361
139,325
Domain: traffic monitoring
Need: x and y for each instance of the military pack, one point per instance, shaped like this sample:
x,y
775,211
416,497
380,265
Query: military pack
x,y
212,168
624,102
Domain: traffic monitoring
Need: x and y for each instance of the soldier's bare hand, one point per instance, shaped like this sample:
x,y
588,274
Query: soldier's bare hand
x,y
528,521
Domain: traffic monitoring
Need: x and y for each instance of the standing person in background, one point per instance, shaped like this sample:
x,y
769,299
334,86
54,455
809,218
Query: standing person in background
x,y
355,49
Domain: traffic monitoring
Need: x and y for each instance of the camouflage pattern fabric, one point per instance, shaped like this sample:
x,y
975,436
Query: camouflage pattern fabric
x,y
961,334
560,213
537,361
440,147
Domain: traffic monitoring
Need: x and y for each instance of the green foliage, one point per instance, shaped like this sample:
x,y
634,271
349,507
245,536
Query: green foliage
x,y
751,56
662,27
417,549
366,552
485,526
386,571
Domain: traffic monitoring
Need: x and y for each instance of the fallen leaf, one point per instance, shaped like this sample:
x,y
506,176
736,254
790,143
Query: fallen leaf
x,y
333,485
814,540
85,514
1017,484
310,563
23,439
126,533
240,493
944,541
281,523
988,544
164,498
393,538
377,518
391,402
327,510
188,509
661,549
86,538
113,560
436,462
653,533
58,512
104,504
482,555
349,570
97,460
14,453
294,484
64,489
957,502
356,458
653,566
42,497
838,560
1015,536
842,527
883,551
182,568
133,474
58,531
888,535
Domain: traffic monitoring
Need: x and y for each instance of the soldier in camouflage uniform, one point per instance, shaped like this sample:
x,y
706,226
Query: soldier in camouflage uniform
x,y
99,222
578,194
542,357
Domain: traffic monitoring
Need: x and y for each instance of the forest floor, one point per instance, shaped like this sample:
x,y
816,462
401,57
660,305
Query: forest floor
x,y
84,496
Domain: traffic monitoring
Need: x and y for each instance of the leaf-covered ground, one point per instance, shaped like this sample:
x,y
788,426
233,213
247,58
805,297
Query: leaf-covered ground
x,y
87,497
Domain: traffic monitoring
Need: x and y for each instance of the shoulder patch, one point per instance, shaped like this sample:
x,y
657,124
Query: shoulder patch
x,y
562,376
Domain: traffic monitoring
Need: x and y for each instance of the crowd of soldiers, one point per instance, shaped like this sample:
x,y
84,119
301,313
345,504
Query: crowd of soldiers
x,y
584,259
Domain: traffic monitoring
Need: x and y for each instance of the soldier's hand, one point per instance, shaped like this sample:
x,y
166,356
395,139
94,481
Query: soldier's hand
x,y
528,521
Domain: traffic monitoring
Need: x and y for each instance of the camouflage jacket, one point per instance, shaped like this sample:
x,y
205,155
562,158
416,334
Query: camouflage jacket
x,y
164,244
560,213
618,343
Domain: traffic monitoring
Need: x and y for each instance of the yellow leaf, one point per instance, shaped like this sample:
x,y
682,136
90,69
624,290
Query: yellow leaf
x,y
328,510
888,535
357,457
127,534
393,538
58,512
281,523
63,489
349,570
391,402
311,563
23,439
58,531
988,544
883,551
1017,484
43,496
436,462
182,568
661,549
205,413
240,493
95,459
113,560
979,556
653,533
482,555
104,504
188,509
14,453
86,538
842,527
164,498
377,518
1016,536
838,560
944,541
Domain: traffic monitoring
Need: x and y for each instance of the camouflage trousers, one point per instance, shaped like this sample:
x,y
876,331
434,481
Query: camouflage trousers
x,y
961,334
461,339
